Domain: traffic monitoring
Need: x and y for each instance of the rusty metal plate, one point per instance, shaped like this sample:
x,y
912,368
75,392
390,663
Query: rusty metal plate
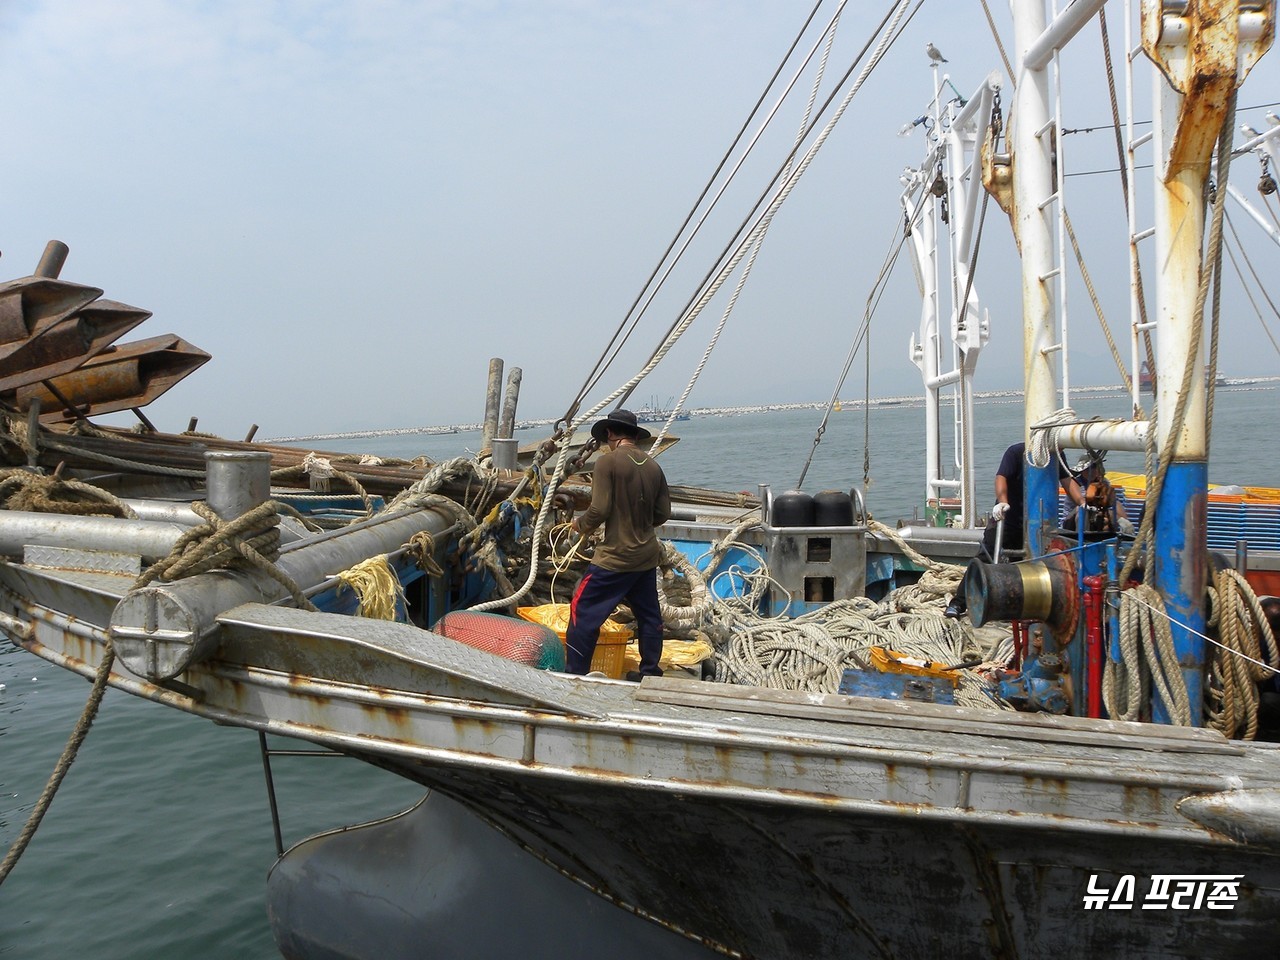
x,y
121,377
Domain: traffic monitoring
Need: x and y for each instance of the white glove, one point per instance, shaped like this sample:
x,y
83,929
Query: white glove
x,y
1124,526
998,511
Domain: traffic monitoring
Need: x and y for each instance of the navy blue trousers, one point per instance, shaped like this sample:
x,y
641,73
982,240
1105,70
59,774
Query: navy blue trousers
x,y
598,592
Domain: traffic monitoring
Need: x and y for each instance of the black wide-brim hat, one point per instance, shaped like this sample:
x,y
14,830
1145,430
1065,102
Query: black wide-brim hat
x,y
623,421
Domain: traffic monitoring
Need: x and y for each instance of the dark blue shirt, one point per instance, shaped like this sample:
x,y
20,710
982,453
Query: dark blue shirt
x,y
1011,469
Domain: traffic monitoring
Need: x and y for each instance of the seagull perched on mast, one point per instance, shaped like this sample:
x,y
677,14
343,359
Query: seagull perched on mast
x,y
934,54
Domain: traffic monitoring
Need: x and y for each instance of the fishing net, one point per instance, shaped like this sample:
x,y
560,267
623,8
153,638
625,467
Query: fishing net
x,y
532,644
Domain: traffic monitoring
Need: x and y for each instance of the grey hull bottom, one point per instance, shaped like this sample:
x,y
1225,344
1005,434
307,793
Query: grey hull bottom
x,y
437,883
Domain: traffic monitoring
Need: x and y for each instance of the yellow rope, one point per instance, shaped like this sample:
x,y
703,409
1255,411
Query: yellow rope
x,y
422,547
564,552
376,586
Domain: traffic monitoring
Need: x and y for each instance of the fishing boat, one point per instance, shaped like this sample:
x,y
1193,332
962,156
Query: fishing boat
x,y
657,415
653,412
1147,383
846,775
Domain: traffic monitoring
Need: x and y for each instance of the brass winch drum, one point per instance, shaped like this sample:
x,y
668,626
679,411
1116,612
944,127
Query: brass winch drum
x,y
1043,590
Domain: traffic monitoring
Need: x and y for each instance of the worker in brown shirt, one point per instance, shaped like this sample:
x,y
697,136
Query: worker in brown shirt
x,y
629,496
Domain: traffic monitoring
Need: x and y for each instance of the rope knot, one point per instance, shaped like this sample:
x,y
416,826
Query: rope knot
x,y
319,472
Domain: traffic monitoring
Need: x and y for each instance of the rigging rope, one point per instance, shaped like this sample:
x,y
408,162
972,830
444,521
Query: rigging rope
x,y
632,318
21,489
995,34
319,471
1256,279
755,249
780,187
376,586
873,301
812,651
707,291
1097,304
1135,261
1147,653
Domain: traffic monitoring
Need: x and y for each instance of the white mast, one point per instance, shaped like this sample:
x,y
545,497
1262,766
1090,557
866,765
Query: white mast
x,y
950,176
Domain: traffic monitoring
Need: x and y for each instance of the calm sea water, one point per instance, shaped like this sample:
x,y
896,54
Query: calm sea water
x,y
159,841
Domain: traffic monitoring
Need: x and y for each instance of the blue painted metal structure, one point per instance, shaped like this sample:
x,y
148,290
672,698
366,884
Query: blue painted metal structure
x,y
1041,490
1179,575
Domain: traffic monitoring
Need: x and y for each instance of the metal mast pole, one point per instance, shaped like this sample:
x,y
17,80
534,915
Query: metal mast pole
x,y
1033,190
925,354
1197,47
968,331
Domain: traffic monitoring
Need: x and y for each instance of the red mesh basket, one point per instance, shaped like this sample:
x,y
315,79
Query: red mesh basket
x,y
519,640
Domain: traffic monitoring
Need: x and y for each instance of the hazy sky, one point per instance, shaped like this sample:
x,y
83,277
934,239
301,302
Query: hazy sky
x,y
354,205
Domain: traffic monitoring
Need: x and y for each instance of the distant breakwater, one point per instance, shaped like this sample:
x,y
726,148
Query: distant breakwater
x,y
910,400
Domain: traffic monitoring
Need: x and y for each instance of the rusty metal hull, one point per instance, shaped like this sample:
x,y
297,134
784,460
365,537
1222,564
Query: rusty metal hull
x,y
761,823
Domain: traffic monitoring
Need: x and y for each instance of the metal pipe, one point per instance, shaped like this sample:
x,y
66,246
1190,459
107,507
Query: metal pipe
x,y
925,353
913,534
1093,587
271,792
1057,34
979,104
238,481
162,511
506,453
1101,435
964,189
1258,140
160,630
1256,215
766,502
171,511
145,538
15,628
51,261
945,379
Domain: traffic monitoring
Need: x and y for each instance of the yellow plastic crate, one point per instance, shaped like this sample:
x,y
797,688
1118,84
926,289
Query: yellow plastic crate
x,y
610,648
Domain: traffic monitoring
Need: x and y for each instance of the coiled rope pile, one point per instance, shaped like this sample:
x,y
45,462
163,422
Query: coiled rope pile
x,y
812,651
1249,654
39,493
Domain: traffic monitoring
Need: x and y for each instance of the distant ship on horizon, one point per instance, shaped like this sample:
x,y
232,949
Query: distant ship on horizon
x,y
1146,382
652,412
